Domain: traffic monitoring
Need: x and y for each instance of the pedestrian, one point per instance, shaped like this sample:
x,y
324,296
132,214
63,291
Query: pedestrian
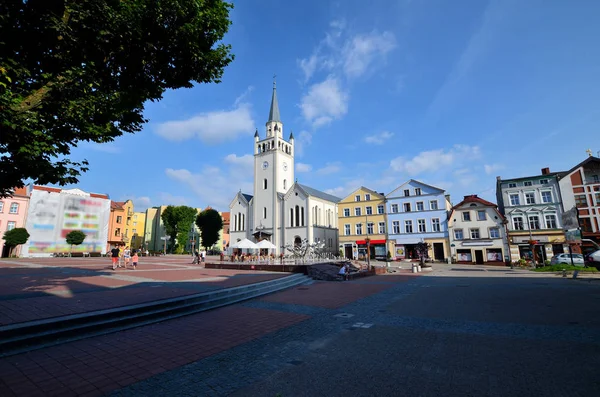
x,y
127,256
121,255
342,272
203,255
134,260
196,257
115,257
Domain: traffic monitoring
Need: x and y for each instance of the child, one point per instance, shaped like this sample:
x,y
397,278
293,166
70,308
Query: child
x,y
134,260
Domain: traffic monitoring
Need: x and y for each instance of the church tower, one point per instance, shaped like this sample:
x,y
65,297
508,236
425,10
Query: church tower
x,y
273,173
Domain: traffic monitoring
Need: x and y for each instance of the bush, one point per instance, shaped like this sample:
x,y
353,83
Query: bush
x,y
560,268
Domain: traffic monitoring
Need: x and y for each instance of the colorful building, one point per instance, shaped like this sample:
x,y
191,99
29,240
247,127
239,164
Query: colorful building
x,y
13,214
54,212
416,213
362,222
120,223
532,206
154,229
477,232
138,227
225,235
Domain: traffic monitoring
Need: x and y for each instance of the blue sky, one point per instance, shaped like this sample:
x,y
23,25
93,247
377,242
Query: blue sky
x,y
452,93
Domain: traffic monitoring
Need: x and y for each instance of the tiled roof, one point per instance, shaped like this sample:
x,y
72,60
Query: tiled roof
x,y
116,205
474,199
225,216
320,194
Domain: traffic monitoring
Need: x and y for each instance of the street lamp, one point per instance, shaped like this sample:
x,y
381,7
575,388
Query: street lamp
x,y
368,241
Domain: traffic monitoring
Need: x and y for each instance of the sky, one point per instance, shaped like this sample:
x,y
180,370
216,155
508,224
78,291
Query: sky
x,y
450,93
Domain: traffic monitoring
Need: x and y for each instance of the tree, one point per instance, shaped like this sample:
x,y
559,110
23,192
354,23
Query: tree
x,y
178,221
210,224
75,237
75,71
422,250
14,237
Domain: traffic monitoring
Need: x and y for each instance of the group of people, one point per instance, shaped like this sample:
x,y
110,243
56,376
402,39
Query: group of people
x,y
122,256
199,257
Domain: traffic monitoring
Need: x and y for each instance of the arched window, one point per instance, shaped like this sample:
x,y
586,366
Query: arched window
x,y
243,222
291,217
297,241
302,215
284,184
263,147
297,215
265,213
234,222
265,184
320,217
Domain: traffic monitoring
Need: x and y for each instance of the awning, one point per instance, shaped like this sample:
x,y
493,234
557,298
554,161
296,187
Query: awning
x,y
359,242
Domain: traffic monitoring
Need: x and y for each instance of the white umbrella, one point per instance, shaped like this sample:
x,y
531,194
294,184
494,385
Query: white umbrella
x,y
265,244
245,244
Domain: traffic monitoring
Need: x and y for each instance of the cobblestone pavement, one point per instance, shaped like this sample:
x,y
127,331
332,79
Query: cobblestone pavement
x,y
37,288
473,331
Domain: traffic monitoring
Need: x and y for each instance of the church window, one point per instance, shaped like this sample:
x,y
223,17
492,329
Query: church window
x,y
234,222
302,215
265,184
263,147
265,213
297,215
291,217
284,184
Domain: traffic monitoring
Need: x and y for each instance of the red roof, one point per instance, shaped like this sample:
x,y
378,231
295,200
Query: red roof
x,y
474,199
225,216
116,205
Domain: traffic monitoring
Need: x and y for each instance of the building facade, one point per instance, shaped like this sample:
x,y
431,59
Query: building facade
x,y
532,207
281,210
417,212
361,216
477,232
580,192
120,223
154,229
138,227
225,239
13,214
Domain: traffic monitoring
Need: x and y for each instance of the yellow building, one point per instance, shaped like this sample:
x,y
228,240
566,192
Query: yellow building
x,y
119,226
362,223
138,227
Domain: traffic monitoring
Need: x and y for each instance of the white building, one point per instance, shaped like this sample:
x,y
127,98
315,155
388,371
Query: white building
x,y
282,210
477,232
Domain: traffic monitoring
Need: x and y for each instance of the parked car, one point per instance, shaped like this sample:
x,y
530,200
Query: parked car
x,y
578,259
593,259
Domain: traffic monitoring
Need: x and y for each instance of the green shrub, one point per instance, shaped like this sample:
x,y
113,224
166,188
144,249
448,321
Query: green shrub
x,y
569,268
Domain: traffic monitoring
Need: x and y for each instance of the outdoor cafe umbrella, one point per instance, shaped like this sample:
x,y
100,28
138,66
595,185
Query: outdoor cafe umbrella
x,y
265,244
244,244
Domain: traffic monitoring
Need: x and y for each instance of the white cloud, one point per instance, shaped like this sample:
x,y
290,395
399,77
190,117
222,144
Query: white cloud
x,y
211,127
324,102
361,51
241,99
434,160
216,186
492,168
301,167
329,168
303,139
379,139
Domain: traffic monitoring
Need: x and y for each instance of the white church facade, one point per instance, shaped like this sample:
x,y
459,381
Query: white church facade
x,y
282,210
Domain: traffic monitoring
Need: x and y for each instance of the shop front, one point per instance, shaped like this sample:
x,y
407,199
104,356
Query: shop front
x,y
480,252
537,248
375,248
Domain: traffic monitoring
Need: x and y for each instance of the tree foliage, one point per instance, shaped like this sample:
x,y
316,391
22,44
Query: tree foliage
x,y
75,237
76,71
16,236
178,221
422,250
210,224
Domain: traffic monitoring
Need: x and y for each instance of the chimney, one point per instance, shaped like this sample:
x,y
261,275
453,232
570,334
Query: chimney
x,y
545,171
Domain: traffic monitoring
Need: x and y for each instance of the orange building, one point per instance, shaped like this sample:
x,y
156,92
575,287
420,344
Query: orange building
x,y
120,224
225,231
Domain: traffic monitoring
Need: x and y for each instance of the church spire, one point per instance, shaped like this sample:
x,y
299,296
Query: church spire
x,y
274,111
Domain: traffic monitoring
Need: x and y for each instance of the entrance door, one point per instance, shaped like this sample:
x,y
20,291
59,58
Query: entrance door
x,y
479,257
348,251
438,251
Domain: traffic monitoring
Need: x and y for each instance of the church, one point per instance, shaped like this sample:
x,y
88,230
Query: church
x,y
282,210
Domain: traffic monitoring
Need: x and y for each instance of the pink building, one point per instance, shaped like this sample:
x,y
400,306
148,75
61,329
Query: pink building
x,y
13,213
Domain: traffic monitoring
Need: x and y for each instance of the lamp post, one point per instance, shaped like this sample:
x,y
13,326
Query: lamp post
x,y
368,241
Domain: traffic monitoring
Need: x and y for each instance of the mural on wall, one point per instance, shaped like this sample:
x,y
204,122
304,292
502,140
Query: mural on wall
x,y
53,215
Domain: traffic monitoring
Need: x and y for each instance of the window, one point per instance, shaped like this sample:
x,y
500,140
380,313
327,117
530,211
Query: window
x,y
474,233
394,208
1,206
117,232
417,191
265,184
406,207
494,232
534,222
380,209
119,219
265,213
346,211
284,184
396,227
408,226
10,225
514,199
433,205
367,197
381,227
580,200
357,197
435,224
369,210
466,216
595,179
357,211
134,223
544,181
135,217
586,225
406,192
547,196
359,228
597,199
421,225
551,222
511,185
529,198
458,234
370,228
134,231
481,216
420,206
527,183
14,208
347,230
518,223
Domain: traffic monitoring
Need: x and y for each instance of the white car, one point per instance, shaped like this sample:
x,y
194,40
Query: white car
x,y
594,258
559,259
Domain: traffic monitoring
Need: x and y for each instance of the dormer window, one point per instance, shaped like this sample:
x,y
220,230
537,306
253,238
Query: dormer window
x,y
357,197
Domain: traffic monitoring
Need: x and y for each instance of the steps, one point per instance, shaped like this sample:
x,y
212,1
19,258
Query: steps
x,y
33,335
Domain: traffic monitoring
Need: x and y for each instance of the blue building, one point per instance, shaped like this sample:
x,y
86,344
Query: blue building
x,y
416,213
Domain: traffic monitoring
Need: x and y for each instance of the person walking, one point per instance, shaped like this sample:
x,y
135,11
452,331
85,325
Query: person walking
x,y
196,257
203,255
126,256
134,260
114,253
